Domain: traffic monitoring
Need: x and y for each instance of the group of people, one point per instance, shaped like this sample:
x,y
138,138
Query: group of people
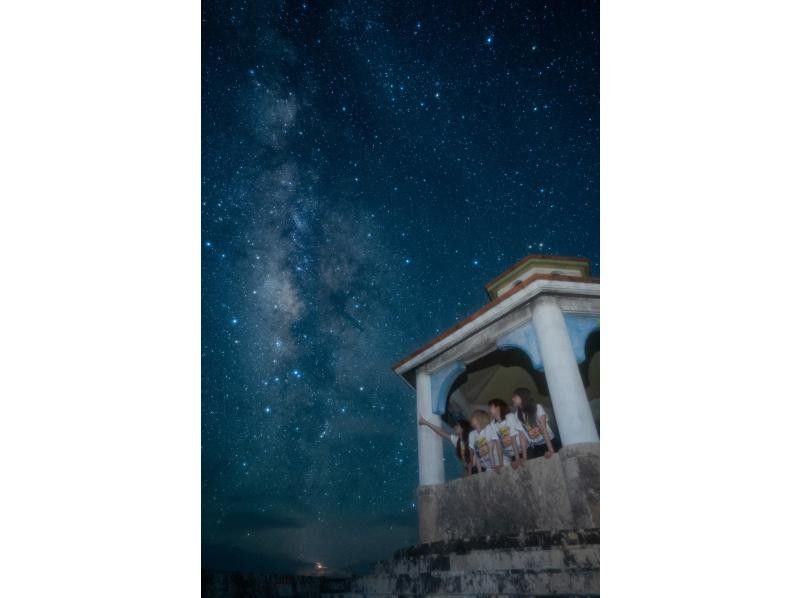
x,y
502,436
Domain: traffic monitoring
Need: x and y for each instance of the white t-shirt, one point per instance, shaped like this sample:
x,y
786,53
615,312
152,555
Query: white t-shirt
x,y
454,439
506,430
481,444
532,430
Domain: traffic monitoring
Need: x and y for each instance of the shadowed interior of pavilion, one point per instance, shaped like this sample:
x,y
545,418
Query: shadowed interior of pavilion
x,y
499,373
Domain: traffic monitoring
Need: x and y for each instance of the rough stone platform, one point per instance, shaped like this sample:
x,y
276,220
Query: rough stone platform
x,y
564,563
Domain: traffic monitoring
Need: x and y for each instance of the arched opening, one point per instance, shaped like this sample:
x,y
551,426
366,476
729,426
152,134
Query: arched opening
x,y
494,375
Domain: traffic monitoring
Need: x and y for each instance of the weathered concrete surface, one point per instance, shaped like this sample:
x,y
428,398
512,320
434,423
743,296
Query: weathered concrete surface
x,y
539,564
581,466
562,492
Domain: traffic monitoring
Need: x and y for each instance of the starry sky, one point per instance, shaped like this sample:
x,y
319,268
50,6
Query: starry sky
x,y
367,167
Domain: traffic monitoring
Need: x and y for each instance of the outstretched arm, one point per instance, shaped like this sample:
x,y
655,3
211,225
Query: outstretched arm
x,y
434,427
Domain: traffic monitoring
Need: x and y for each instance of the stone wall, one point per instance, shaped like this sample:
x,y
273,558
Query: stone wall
x,y
562,492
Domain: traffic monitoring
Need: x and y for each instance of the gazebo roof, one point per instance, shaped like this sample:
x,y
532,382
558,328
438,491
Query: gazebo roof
x,y
524,283
540,262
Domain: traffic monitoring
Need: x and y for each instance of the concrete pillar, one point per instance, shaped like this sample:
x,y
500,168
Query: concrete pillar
x,y
429,444
573,413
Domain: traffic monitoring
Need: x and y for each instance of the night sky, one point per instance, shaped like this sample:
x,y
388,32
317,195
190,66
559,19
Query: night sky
x,y
367,167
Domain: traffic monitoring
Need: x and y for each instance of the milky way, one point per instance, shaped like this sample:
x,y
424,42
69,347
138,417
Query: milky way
x,y
367,167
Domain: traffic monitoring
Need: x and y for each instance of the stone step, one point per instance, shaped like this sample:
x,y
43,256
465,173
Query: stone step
x,y
527,571
574,582
530,559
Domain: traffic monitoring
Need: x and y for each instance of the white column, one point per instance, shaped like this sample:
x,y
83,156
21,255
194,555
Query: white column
x,y
573,413
429,444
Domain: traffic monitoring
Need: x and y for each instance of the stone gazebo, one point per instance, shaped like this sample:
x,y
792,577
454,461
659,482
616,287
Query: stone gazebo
x,y
539,330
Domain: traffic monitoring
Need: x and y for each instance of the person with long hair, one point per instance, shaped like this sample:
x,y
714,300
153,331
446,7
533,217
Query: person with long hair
x,y
461,439
485,445
510,432
534,420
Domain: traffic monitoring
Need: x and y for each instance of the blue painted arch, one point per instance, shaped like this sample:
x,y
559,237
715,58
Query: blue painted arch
x,y
524,339
441,381
579,327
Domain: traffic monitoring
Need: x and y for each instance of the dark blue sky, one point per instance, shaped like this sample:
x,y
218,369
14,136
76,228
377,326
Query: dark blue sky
x,y
367,167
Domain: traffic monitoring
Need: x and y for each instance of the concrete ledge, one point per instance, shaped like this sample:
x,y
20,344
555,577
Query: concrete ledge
x,y
562,492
